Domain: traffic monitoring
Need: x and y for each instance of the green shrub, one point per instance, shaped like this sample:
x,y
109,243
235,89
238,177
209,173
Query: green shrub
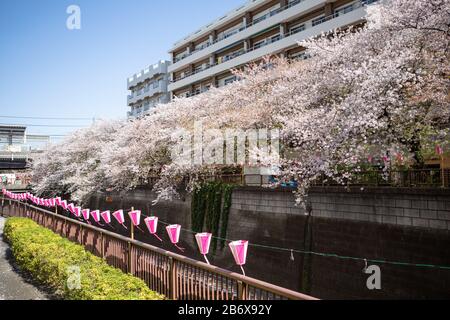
x,y
47,256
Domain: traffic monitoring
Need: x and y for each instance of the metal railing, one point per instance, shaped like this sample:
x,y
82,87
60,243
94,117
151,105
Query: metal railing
x,y
168,273
394,178
435,178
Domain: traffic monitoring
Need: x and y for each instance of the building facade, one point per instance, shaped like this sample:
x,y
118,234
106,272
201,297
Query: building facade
x,y
17,147
258,28
148,89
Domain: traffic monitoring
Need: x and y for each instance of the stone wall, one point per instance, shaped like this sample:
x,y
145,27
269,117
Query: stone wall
x,y
372,223
429,208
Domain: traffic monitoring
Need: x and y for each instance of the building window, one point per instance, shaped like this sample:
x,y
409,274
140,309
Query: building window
x,y
343,10
258,44
275,38
297,28
266,13
202,45
228,33
229,80
198,68
318,20
302,55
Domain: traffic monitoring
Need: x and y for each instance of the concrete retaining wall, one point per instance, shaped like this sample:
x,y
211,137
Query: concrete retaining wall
x,y
405,225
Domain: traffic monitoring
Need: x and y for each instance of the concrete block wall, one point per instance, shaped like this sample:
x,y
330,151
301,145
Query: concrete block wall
x,y
372,224
404,207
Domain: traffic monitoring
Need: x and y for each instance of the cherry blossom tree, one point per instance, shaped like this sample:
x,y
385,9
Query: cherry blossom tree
x,y
377,91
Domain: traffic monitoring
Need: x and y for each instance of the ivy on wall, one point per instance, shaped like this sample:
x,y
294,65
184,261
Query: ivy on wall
x,y
210,208
227,192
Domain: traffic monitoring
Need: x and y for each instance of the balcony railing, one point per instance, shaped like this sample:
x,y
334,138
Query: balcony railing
x,y
268,41
254,22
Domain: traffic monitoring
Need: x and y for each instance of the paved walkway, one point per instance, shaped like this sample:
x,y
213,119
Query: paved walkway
x,y
13,286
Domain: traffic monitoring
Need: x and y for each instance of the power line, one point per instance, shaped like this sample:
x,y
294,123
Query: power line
x,y
329,255
43,125
46,118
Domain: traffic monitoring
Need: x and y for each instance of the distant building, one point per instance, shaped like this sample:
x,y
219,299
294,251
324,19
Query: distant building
x,y
148,88
205,58
258,28
17,147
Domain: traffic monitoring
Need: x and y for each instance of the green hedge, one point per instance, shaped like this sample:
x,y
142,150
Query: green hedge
x,y
49,257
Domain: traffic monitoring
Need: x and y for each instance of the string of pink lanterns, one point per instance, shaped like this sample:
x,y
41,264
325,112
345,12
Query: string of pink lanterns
x,y
237,248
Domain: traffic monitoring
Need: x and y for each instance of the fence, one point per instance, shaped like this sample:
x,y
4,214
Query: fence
x,y
175,276
396,178
433,178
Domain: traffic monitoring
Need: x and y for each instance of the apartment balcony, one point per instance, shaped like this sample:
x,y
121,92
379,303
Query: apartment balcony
x,y
14,155
293,10
351,16
147,93
136,113
148,73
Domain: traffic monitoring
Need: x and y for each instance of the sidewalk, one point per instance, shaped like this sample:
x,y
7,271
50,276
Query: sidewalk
x,y
13,286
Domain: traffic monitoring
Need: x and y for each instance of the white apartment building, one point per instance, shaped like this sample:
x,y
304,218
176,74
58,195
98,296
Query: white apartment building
x,y
148,88
258,28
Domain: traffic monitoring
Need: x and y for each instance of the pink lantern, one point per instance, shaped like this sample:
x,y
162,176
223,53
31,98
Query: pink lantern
x,y
135,217
106,216
174,234
71,207
64,204
77,211
52,202
239,251
96,215
203,242
85,213
152,225
439,150
41,202
119,217
58,201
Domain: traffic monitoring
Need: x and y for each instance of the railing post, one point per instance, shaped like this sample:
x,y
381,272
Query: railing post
x,y
130,259
103,245
132,227
172,279
242,290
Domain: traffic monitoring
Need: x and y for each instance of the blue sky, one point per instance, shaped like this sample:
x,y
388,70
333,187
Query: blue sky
x,y
47,70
